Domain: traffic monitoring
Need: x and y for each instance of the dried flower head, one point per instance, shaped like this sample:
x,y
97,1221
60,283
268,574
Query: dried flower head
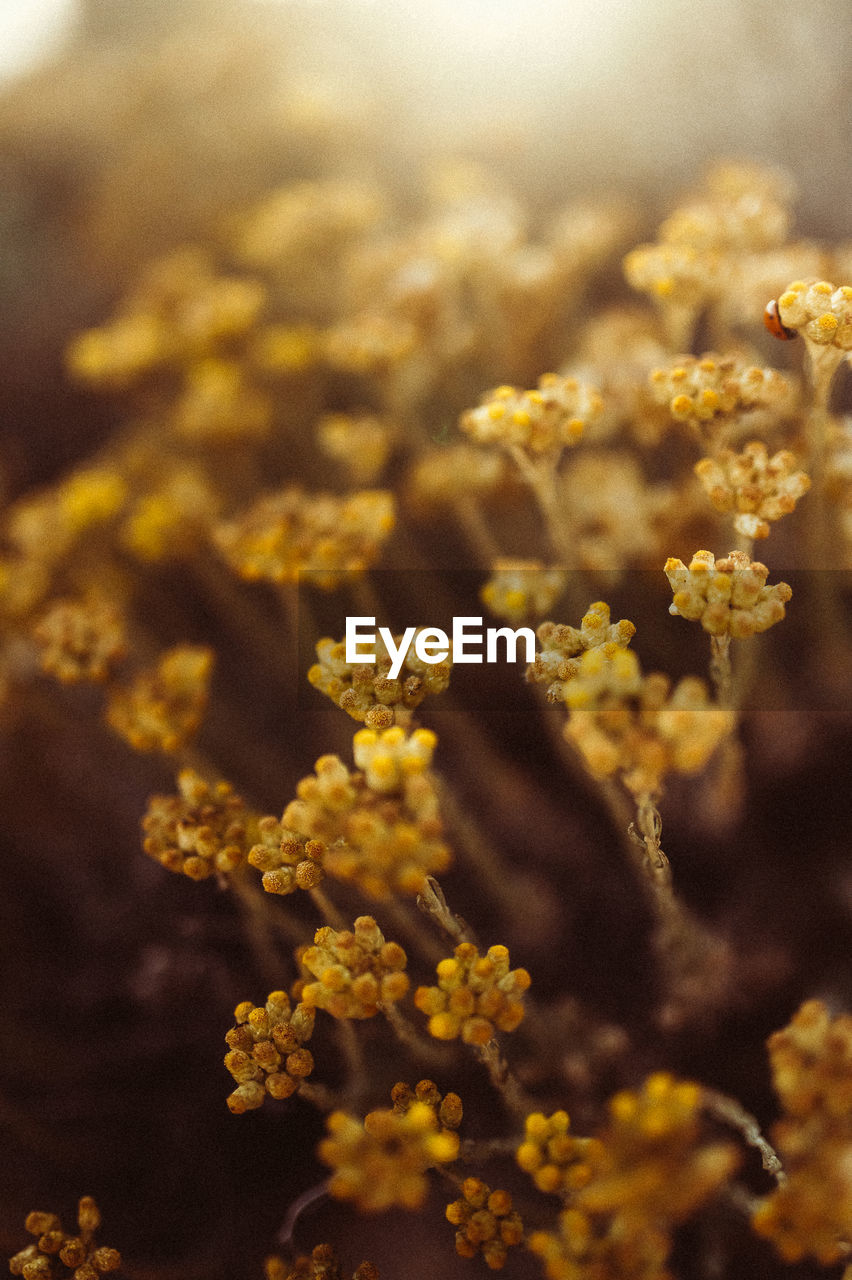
x,y
359,442
266,1054
519,590
562,646
486,1223
475,996
554,1158
322,1264
356,972
199,832
540,422
728,597
81,640
366,692
288,863
447,1107
758,488
163,708
58,1255
713,392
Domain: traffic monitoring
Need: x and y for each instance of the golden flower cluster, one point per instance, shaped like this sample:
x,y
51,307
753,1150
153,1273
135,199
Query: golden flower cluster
x,y
356,971
820,311
383,841
317,537
554,1158
322,1264
266,1054
486,1223
287,862
382,1161
366,692
728,597
476,995
811,1212
649,1169
713,391
447,1107
58,1254
81,640
164,706
562,647
522,589
541,421
201,831
757,487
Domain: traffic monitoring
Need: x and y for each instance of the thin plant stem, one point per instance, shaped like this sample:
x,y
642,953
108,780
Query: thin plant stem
x,y
730,1112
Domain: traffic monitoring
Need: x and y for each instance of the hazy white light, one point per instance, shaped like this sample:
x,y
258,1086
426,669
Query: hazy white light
x,y
29,30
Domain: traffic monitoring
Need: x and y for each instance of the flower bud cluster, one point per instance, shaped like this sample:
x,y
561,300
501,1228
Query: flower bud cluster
x,y
390,756
266,1054
81,640
555,1160
199,832
383,1160
811,1212
287,862
58,1255
522,589
821,312
541,421
475,996
319,537
164,706
758,488
728,597
715,391
486,1223
447,1108
562,647
366,692
356,971
323,1264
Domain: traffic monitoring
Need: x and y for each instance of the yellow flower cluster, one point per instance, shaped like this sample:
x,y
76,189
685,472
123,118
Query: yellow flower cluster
x,y
676,275
287,862
323,1264
562,646
447,1108
649,1169
173,520
385,842
266,1054
318,537
356,972
163,708
366,692
811,1212
201,831
486,1222
540,421
555,1160
58,1255
820,311
383,1160
649,734
716,391
390,756
475,996
759,488
359,442
522,589
81,640
729,597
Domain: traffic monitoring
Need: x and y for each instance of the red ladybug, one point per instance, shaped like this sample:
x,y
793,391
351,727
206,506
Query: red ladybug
x,y
775,324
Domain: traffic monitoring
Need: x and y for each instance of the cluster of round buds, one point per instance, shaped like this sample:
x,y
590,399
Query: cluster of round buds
x,y
287,862
540,421
728,597
383,1160
759,488
447,1107
673,275
366,692
382,842
322,1264
475,996
266,1054
522,589
390,756
562,646
650,734
361,443
81,640
649,1169
356,972
199,832
163,708
556,1161
812,1074
57,1255
486,1223
819,311
716,391
320,537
